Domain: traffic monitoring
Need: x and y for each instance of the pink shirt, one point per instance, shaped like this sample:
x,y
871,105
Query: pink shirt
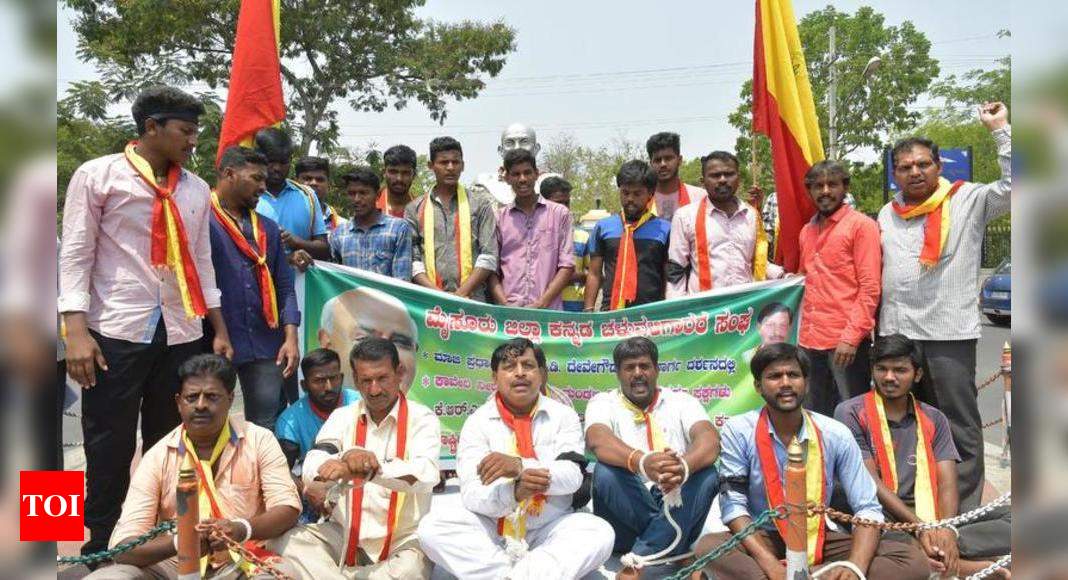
x,y
668,203
251,476
532,248
841,259
104,267
731,244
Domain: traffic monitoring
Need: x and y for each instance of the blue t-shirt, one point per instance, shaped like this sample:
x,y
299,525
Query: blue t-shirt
x,y
651,248
296,209
299,423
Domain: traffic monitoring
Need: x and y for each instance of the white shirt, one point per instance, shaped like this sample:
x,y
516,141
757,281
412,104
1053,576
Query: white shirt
x,y
555,430
423,449
675,413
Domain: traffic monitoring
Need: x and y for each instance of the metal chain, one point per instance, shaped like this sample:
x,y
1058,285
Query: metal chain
x,y
997,421
260,563
994,377
71,445
732,543
103,555
1002,562
72,414
911,528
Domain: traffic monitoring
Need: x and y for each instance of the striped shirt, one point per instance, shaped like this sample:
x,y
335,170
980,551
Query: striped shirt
x,y
942,302
385,247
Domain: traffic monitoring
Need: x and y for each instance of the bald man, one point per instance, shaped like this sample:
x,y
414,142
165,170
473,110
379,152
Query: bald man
x,y
514,136
355,314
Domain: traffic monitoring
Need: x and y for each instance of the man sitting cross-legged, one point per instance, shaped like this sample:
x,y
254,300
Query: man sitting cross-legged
x,y
245,488
387,446
520,462
908,447
649,441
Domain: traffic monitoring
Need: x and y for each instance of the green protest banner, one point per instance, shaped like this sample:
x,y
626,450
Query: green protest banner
x,y
705,342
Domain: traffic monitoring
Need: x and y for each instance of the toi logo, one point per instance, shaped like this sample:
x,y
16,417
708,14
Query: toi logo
x,y
51,506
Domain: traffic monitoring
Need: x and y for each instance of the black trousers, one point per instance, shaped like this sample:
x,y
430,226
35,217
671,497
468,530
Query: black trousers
x,y
829,384
141,381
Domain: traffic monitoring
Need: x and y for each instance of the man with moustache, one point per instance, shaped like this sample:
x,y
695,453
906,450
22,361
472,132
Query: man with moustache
x,y
719,240
399,173
908,448
649,441
841,260
932,238
665,157
387,447
520,462
455,232
536,255
300,423
371,240
245,488
752,469
259,302
495,186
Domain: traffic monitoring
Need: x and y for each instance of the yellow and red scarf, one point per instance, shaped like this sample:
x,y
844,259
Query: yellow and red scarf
x,y
654,435
462,226
625,281
936,228
522,446
170,244
815,489
396,498
926,488
258,255
704,261
382,203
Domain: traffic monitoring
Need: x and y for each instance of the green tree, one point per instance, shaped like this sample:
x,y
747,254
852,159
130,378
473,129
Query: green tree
x,y
963,93
371,55
591,171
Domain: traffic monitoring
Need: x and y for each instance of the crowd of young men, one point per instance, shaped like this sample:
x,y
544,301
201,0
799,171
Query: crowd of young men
x,y
156,267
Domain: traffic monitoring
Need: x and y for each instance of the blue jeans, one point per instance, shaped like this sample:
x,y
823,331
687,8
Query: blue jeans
x,y
264,391
636,513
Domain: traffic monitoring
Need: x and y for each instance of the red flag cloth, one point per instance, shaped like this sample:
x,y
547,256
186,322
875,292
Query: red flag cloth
x,y
255,99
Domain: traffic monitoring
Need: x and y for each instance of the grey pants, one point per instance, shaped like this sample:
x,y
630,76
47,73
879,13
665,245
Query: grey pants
x,y
830,384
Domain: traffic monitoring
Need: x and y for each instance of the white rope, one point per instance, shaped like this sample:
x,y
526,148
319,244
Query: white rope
x,y
840,564
672,499
1002,562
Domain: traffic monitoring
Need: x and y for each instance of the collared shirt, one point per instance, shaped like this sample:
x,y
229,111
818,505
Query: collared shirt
x,y
296,209
483,244
556,430
533,247
385,247
744,492
573,296
903,434
332,218
423,447
668,203
650,247
770,213
239,281
731,246
841,258
251,476
942,302
299,423
675,413
104,260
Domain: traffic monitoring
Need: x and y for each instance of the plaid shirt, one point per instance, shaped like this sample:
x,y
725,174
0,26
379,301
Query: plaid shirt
x,y
385,247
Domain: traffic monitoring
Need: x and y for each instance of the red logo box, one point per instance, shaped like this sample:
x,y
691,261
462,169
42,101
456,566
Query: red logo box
x,y
51,506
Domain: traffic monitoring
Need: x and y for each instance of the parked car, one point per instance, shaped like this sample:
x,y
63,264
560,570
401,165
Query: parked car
x,y
995,298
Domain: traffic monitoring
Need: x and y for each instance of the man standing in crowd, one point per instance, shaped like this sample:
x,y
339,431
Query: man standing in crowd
x,y
245,490
400,169
932,236
629,250
718,240
371,240
649,441
494,186
520,460
389,444
752,468
841,260
534,240
314,172
908,448
456,233
259,303
135,277
558,189
294,207
299,424
665,157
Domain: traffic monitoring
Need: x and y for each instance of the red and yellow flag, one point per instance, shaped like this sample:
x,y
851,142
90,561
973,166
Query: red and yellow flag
x,y
254,100
784,111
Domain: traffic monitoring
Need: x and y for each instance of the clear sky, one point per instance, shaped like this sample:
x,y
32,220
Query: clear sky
x,y
624,69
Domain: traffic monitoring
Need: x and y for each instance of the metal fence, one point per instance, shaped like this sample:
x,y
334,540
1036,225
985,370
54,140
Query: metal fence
x,y
997,245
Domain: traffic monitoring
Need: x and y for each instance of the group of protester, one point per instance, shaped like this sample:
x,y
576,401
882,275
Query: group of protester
x,y
156,267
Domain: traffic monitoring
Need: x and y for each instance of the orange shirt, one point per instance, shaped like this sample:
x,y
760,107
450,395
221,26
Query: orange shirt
x,y
841,259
